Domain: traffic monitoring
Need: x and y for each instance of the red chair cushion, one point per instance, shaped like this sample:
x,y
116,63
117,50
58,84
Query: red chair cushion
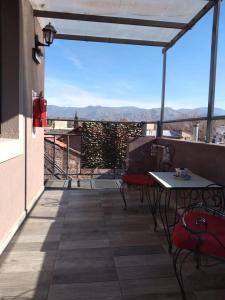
x,y
204,242
138,180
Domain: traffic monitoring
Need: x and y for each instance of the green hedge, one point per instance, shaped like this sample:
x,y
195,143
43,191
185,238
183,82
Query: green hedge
x,y
104,144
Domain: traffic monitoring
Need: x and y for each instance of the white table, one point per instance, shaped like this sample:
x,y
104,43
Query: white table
x,y
169,181
190,191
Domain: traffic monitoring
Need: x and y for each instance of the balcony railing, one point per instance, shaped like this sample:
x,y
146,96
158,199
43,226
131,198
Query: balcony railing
x,y
95,149
90,149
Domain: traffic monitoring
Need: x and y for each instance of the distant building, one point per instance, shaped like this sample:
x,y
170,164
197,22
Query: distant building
x,y
60,124
64,124
149,129
186,136
175,134
57,124
219,135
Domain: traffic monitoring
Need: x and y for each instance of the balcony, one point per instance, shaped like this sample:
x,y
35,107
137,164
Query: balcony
x,y
79,242
74,241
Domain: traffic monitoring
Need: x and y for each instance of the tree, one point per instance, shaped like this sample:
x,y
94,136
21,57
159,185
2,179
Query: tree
x,y
75,122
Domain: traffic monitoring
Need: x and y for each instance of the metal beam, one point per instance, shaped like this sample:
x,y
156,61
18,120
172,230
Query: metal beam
x,y
213,65
193,119
109,40
189,26
108,19
218,118
144,122
185,120
163,93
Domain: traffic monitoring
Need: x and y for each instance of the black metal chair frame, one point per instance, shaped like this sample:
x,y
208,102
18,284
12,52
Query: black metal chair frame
x,y
145,190
142,189
179,259
212,193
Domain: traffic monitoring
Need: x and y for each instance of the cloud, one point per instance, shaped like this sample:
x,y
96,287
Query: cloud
x,y
69,55
76,61
63,93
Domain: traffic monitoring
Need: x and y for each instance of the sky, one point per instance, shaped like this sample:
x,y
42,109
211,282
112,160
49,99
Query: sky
x,y
79,74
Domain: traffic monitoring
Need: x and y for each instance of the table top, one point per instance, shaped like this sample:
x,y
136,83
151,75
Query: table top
x,y
167,180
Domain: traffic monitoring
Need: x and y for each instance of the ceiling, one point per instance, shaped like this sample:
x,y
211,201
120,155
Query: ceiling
x,y
142,22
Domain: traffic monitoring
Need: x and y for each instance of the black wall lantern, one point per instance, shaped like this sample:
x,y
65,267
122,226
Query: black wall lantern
x,y
49,33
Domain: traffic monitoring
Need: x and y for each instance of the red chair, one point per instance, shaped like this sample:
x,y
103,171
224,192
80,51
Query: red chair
x,y
201,231
164,156
143,182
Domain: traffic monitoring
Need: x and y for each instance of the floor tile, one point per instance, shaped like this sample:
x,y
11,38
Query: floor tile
x,y
97,290
143,260
81,244
143,271
149,286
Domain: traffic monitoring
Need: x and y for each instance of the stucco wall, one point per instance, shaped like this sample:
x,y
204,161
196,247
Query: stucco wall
x,y
207,160
139,160
33,79
21,178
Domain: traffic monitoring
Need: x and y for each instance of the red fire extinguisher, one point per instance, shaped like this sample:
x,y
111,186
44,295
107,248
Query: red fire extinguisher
x,y
40,112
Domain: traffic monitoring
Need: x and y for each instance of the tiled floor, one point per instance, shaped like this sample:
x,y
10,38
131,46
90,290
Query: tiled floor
x,y
86,184
81,245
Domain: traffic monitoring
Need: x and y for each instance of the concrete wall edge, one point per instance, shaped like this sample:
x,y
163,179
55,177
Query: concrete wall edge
x,y
5,241
35,199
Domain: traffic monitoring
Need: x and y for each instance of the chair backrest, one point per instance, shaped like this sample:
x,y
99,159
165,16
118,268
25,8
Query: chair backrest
x,y
164,156
139,160
146,155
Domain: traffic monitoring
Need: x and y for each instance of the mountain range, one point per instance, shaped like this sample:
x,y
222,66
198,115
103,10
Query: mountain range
x,y
129,113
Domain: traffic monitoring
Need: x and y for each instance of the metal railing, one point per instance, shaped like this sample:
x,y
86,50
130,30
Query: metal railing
x,y
60,167
56,162
54,169
202,122
214,118
66,155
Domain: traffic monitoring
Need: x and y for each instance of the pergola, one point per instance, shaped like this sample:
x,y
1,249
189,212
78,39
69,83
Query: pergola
x,y
138,22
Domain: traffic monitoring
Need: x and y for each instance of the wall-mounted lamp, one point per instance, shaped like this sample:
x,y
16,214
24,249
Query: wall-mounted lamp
x,y
49,33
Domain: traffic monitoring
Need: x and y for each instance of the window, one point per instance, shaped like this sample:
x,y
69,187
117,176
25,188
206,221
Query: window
x,y
10,144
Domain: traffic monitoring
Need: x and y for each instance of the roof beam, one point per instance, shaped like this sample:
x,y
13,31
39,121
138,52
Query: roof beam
x,y
189,26
109,40
108,19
